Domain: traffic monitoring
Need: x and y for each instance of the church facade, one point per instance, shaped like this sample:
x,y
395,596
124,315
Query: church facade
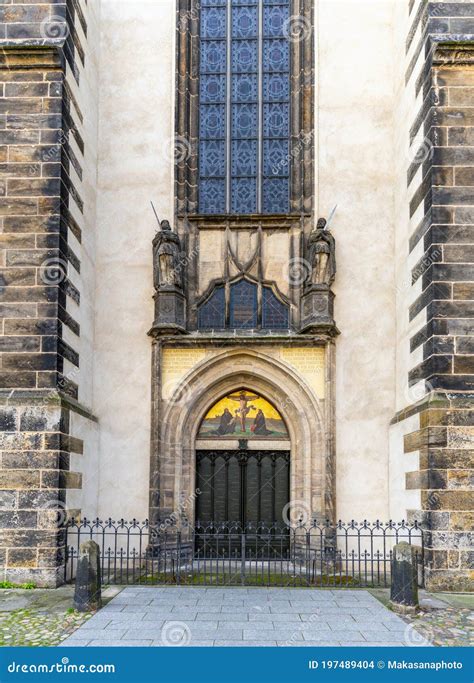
x,y
237,245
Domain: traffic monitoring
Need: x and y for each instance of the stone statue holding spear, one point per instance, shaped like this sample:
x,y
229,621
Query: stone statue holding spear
x,y
166,252
322,253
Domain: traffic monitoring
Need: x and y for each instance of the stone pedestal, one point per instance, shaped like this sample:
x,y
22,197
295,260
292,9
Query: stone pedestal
x,y
404,586
317,307
88,595
170,311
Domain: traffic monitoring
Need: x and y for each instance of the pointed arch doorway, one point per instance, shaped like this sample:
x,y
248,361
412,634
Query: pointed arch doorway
x,y
242,461
181,428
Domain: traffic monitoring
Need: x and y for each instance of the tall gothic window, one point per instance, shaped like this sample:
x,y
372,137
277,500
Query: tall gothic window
x,y
244,107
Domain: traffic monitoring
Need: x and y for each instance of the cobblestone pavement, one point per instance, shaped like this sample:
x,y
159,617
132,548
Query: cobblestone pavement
x,y
445,619
444,627
25,627
38,617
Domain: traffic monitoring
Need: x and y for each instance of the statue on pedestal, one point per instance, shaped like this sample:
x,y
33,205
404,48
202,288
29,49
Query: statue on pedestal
x,y
166,258
317,300
321,255
170,300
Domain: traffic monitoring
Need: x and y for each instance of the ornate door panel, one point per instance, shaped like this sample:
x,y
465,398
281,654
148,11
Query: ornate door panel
x,y
242,486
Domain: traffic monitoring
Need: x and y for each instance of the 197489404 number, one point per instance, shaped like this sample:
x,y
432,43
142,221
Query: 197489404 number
x,y
341,664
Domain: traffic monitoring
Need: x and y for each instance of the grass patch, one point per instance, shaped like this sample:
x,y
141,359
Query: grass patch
x,y
24,586
323,581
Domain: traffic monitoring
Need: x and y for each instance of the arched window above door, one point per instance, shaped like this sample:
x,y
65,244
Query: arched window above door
x,y
243,305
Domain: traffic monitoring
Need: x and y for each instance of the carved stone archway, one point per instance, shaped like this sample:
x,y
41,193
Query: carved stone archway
x,y
177,420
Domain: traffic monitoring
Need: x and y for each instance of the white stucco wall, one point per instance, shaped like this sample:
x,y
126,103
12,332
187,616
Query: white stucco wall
x,y
136,124
406,108
402,500
86,499
355,147
85,93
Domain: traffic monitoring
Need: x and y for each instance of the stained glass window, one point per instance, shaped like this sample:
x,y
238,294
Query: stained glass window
x,y
212,311
244,313
243,305
274,312
244,106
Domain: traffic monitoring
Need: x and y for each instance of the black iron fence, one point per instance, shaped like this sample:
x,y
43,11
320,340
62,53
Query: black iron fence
x,y
316,554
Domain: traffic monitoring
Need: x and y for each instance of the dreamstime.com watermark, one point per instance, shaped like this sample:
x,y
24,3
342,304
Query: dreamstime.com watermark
x,y
178,516
64,666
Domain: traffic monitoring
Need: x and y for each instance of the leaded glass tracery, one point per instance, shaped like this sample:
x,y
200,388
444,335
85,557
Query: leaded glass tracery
x,y
212,311
241,298
244,152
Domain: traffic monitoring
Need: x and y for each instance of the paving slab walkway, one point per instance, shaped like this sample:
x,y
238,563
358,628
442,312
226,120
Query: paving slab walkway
x,y
197,616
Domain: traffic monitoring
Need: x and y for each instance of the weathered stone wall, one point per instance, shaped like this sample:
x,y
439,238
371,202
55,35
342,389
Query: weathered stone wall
x,y
435,421
34,478
33,281
33,21
446,231
42,219
33,293
445,480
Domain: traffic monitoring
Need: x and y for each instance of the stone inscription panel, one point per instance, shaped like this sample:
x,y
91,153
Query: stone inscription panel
x,y
310,364
176,364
